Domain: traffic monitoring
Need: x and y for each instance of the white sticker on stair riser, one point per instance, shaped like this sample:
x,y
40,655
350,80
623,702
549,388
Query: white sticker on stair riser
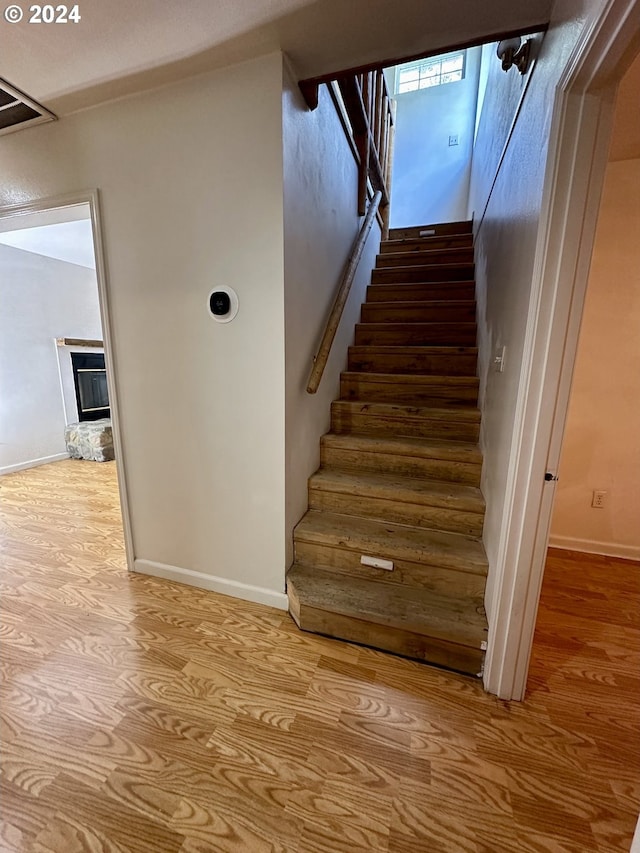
x,y
377,563
247,592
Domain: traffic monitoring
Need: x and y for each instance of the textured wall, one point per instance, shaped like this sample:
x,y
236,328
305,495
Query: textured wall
x,y
321,222
506,245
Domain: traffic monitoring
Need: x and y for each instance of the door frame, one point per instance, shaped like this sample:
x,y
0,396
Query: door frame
x,y
578,148
92,199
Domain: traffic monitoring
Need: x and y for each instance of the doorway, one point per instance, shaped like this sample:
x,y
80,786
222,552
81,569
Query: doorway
x,y
596,504
55,448
581,130
592,577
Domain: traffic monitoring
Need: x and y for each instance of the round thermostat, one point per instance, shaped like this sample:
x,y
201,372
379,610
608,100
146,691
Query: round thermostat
x,y
223,304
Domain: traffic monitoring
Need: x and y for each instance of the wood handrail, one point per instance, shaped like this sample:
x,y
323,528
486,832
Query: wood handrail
x,y
322,356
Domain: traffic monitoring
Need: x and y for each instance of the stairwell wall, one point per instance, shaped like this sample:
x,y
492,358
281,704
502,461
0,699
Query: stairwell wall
x,y
511,196
320,225
190,178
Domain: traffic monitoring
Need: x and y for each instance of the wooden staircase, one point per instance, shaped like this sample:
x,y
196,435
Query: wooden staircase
x,y
400,470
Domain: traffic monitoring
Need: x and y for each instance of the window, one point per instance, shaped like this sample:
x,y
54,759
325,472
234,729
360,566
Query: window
x,y
430,72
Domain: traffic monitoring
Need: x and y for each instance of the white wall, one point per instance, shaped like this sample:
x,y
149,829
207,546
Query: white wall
x,y
506,244
321,222
191,188
40,299
431,177
487,51
600,449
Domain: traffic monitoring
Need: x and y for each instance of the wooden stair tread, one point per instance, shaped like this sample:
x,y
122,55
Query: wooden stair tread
x,y
443,413
447,450
417,304
440,354
416,334
463,226
417,349
425,349
418,311
419,244
419,611
443,285
424,360
394,418
425,255
425,274
419,380
388,540
421,291
409,267
400,488
399,326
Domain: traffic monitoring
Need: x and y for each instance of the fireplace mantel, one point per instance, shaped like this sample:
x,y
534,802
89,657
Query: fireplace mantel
x,y
78,342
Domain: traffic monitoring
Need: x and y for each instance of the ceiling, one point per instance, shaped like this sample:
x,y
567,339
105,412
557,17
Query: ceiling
x,y
120,47
63,233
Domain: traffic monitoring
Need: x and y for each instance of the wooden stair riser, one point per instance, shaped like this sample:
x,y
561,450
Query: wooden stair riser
x,y
344,459
372,388
418,312
442,581
415,334
413,360
422,291
436,272
421,244
440,229
349,417
386,260
395,640
419,515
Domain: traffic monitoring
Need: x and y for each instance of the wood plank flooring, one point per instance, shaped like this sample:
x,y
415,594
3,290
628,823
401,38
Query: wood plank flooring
x,y
140,715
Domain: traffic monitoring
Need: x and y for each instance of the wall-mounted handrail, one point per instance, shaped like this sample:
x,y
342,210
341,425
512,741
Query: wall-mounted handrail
x,y
320,360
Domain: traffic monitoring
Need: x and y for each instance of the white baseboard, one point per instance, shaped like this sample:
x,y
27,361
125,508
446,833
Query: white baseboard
x,y
33,463
257,594
590,546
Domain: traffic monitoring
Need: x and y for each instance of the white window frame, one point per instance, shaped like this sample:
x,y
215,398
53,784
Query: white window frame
x,y
422,64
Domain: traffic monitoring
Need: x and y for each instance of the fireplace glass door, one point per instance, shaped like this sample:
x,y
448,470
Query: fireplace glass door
x,y
90,379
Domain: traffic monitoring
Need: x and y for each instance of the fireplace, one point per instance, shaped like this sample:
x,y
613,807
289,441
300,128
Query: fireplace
x,y
90,381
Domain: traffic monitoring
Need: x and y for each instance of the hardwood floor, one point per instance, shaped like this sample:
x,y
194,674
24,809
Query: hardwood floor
x,y
140,715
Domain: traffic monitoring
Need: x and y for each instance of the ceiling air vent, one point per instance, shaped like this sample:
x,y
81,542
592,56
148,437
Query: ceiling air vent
x,y
18,111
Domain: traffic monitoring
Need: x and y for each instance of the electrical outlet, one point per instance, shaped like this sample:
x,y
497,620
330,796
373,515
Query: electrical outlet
x,y
453,139
599,499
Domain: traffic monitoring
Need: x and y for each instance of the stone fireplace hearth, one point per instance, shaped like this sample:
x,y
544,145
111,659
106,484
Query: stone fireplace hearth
x,y
91,440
